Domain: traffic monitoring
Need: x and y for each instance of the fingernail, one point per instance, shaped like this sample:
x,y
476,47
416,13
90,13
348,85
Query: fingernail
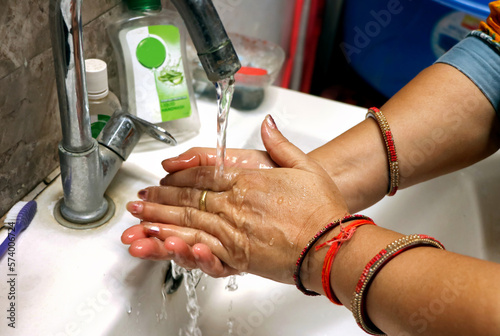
x,y
143,194
270,122
136,207
151,229
163,181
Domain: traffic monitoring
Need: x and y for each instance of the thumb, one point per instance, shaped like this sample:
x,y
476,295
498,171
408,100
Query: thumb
x,y
282,151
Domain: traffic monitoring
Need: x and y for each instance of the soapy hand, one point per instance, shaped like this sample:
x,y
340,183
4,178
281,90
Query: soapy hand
x,y
256,220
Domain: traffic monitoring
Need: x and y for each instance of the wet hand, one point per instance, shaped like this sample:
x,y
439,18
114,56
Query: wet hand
x,y
199,156
255,221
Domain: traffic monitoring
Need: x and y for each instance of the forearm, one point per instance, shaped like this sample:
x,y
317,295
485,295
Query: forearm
x,y
421,291
440,122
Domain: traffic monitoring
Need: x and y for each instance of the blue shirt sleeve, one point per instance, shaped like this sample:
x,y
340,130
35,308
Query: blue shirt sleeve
x,y
479,60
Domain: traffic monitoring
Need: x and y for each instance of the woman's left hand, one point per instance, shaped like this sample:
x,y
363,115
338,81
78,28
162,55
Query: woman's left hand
x,y
256,221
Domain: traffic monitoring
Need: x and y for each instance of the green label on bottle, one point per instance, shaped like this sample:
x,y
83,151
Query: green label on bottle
x,y
96,126
161,92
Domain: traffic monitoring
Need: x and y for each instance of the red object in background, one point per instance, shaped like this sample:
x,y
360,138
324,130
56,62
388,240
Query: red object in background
x,y
314,27
288,68
244,70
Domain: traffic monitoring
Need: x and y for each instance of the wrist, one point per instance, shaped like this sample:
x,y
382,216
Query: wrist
x,y
360,169
353,257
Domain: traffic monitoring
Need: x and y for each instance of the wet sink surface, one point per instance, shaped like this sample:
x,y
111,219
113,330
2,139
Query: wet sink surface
x,y
85,282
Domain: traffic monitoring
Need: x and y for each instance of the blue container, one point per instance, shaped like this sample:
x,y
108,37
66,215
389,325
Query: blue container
x,y
478,8
388,42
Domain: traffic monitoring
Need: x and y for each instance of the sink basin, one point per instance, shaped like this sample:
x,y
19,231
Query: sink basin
x,y
85,283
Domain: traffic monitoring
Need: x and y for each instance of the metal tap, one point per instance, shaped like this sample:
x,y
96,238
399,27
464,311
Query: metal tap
x,y
88,166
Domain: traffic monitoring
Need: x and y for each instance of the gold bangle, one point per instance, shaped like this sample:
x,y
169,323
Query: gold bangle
x,y
394,178
358,302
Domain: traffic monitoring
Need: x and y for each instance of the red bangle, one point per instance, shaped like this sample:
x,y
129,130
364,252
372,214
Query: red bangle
x,y
376,114
307,248
335,244
358,303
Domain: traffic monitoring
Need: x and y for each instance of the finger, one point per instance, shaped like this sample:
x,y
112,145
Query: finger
x,y
181,252
282,151
150,248
132,234
202,178
188,235
187,197
199,256
205,223
194,157
210,264
235,157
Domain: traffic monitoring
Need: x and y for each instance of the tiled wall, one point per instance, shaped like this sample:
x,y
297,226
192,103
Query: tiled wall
x,y
29,115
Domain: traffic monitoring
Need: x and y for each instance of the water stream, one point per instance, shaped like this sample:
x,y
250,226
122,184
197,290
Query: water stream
x,y
225,91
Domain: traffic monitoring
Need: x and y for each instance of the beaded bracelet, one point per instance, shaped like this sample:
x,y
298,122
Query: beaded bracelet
x,y
376,114
335,244
310,244
358,303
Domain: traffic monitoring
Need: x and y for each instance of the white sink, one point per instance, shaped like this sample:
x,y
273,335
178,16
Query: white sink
x,y
85,282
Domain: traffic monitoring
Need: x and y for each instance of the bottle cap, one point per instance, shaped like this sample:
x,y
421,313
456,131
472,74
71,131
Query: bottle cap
x,y
97,78
143,4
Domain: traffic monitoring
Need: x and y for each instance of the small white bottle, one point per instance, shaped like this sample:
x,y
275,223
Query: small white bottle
x,y
102,102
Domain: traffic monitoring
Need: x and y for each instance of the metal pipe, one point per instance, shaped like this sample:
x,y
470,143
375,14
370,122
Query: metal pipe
x,y
67,48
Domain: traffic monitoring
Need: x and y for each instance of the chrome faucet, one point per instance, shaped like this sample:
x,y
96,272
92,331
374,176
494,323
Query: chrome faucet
x,y
88,166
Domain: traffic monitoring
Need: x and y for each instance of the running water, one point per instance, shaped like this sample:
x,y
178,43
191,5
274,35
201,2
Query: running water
x,y
191,280
225,90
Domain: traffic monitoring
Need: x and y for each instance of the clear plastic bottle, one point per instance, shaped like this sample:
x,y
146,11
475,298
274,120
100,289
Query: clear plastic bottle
x,y
150,46
102,102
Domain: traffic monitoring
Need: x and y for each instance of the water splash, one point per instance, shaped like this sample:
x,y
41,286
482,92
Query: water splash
x,y
225,90
232,285
191,279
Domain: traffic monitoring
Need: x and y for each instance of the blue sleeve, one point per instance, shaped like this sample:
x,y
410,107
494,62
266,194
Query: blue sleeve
x,y
479,60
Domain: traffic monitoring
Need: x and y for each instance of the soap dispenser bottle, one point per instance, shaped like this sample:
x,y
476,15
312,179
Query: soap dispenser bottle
x,y
102,102
155,82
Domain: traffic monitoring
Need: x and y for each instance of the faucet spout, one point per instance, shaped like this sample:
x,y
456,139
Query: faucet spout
x,y
215,50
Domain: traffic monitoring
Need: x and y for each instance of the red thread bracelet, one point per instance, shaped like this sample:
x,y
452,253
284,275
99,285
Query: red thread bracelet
x,y
307,248
335,244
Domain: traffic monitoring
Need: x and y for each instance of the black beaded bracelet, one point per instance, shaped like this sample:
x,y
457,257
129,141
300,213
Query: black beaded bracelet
x,y
310,244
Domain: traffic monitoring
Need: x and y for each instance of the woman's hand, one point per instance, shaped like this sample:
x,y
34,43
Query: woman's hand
x,y
199,156
256,220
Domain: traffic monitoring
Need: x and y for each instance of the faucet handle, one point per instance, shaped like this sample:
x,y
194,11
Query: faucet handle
x,y
123,131
154,131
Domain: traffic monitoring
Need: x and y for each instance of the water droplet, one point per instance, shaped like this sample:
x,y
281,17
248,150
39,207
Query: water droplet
x,y
230,326
231,284
271,242
129,310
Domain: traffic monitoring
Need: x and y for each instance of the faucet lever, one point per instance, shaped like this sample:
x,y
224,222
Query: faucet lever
x,y
123,131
